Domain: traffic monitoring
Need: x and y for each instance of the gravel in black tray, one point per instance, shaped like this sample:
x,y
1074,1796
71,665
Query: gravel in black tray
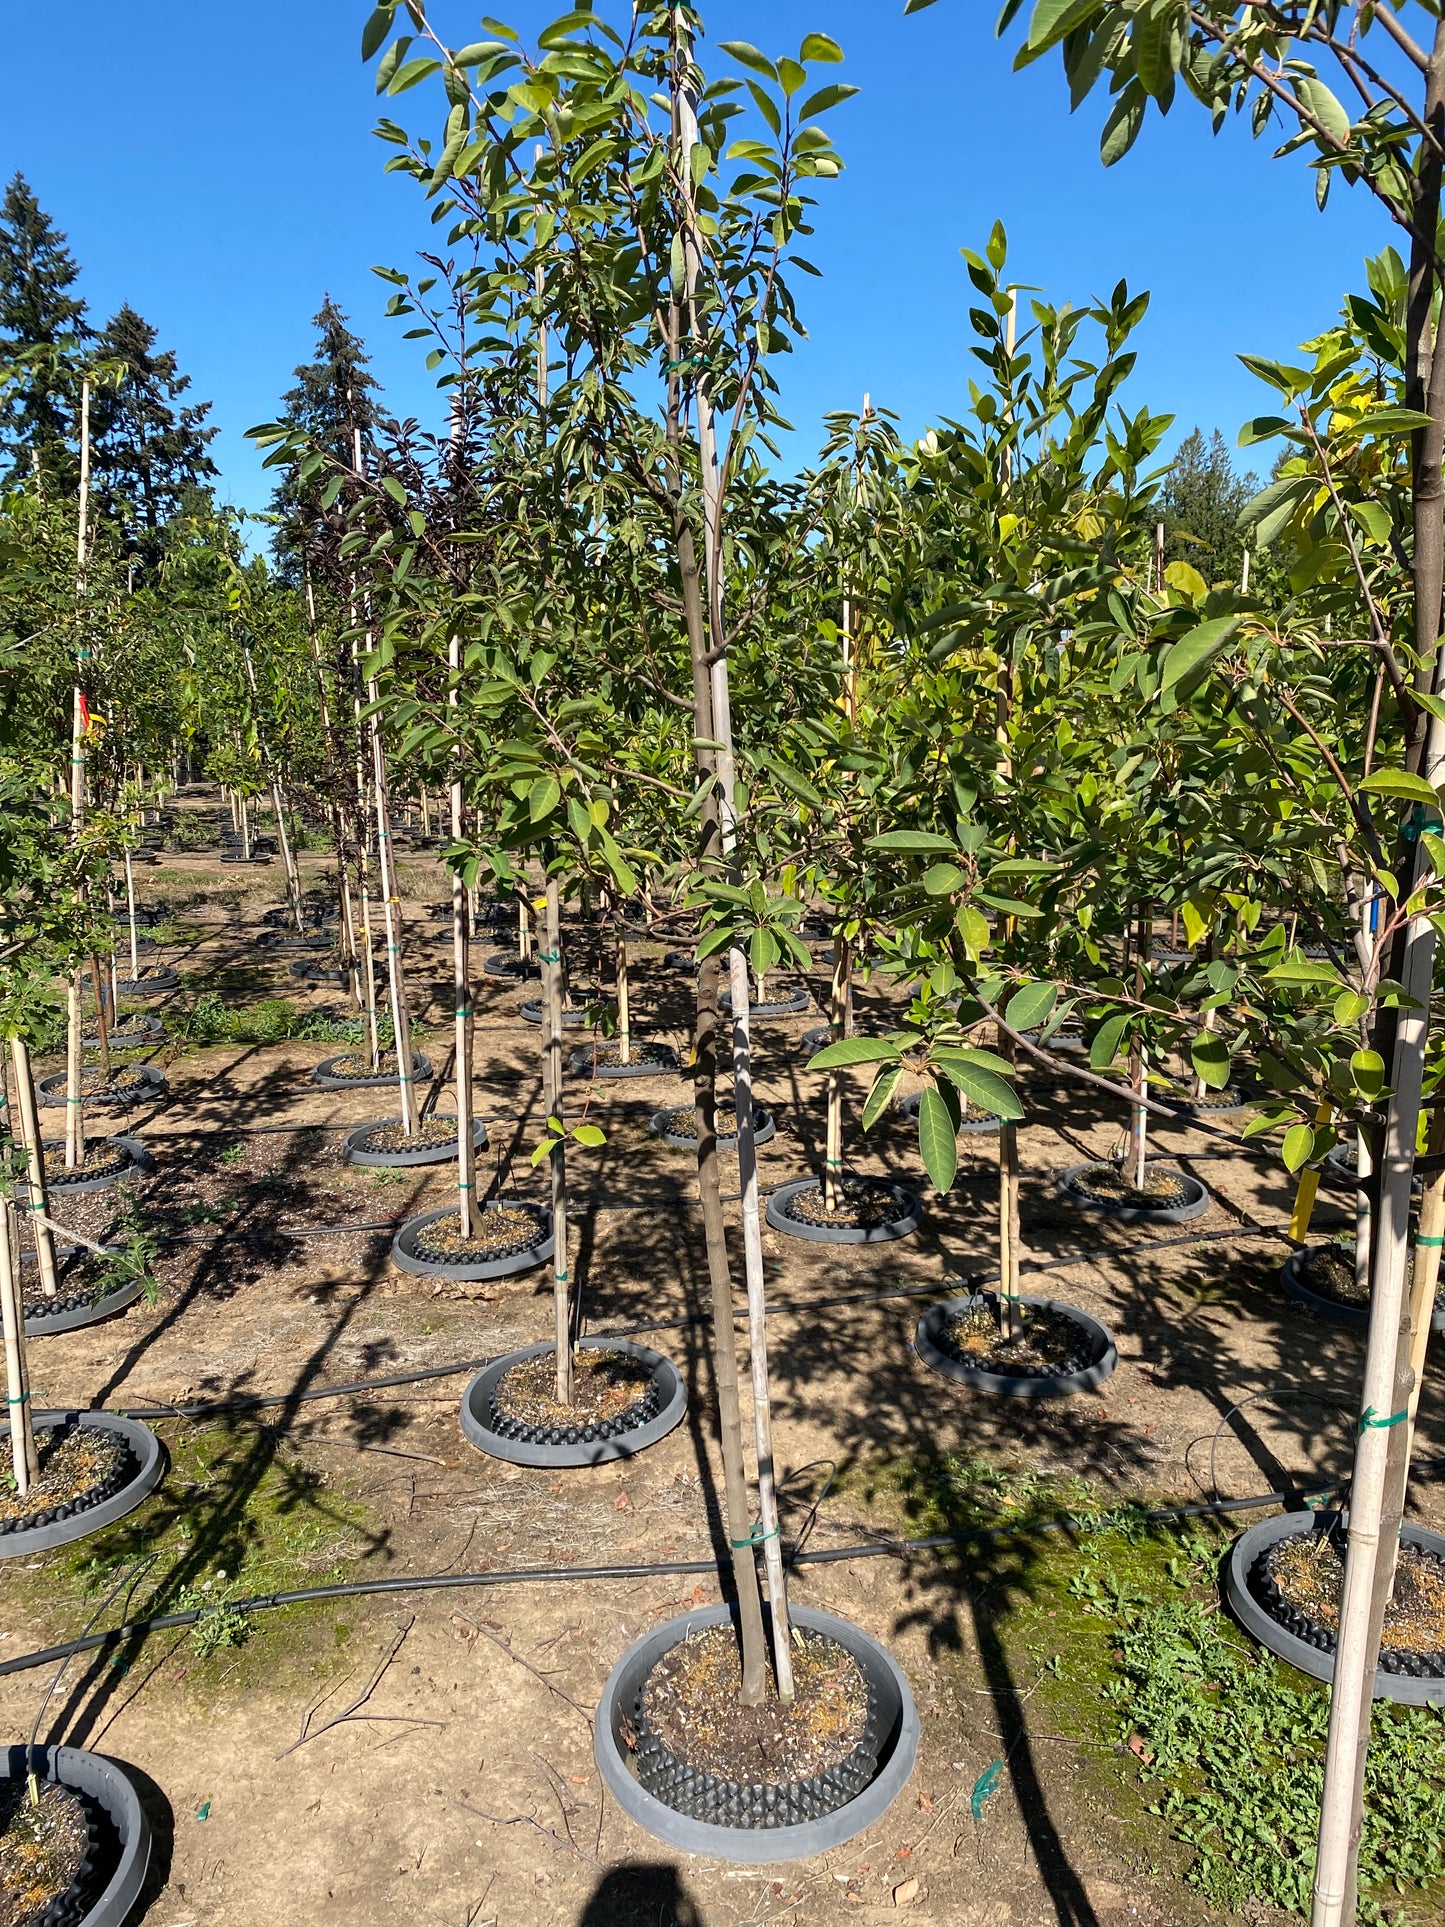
x,y
357,1064
1300,1579
122,1077
80,1466
698,1749
46,1850
36,1307
100,1161
865,1203
1048,1343
1109,1184
498,1231
1329,1272
612,1393
426,1136
608,1056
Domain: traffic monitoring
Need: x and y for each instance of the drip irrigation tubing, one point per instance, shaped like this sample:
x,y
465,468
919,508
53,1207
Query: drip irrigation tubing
x,y
678,1568
250,1402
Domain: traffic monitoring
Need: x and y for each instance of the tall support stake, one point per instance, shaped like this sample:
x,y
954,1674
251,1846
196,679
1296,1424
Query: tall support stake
x,y
461,981
557,1163
25,1464
34,1144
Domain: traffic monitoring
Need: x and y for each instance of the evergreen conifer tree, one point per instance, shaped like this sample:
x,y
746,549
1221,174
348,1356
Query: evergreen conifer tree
x,y
42,329
1201,502
149,453
333,397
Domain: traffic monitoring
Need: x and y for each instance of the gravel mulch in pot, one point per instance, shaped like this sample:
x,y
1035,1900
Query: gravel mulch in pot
x,y
122,1078
691,1705
498,1231
1302,1578
44,1848
1109,1184
358,1064
609,1390
1329,1271
431,1132
1047,1343
100,1161
608,1056
72,1288
79,1466
865,1203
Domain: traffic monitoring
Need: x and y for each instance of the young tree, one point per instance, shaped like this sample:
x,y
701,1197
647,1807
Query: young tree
x,y
333,401
42,327
1200,506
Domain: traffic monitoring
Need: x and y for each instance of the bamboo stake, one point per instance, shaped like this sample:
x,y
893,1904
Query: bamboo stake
x,y
624,1019
37,1189
838,1027
25,1463
74,1078
130,917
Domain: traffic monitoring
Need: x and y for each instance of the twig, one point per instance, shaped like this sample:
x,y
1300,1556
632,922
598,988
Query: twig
x,y
526,1820
512,1653
397,1453
362,1697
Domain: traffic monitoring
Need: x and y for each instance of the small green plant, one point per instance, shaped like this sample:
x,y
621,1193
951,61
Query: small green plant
x,y
221,1624
233,1154
271,1020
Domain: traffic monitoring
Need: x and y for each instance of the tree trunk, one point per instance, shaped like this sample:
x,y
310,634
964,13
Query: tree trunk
x,y
74,1078
838,1026
461,985
624,1018
551,958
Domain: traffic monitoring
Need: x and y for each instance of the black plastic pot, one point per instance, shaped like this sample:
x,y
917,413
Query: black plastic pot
x,y
73,1310
1339,1169
405,1255
896,1721
928,1342
1196,1200
792,1006
976,1124
843,1234
511,968
312,973
1295,1289
582,1063
353,1149
156,980
138,1032
148,1464
137,1158
530,1011
328,1079
764,1130
115,1873
150,1082
290,940
669,1395
258,860
1225,1103
1245,1600
680,960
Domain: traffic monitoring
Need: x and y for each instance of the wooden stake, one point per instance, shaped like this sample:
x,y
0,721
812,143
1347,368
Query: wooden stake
x,y
38,1190
552,1043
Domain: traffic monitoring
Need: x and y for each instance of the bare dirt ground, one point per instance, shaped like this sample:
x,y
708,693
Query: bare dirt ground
x,y
462,1791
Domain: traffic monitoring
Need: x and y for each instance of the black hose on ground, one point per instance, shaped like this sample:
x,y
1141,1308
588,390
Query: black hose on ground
x,y
677,1568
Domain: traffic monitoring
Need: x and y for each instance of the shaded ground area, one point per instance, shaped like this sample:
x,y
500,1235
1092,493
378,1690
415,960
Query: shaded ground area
x,y
461,1789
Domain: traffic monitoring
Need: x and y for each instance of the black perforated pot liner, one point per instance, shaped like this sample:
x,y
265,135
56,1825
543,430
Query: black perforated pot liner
x,y
124,1470
1393,1659
1084,1354
641,1413
732,1803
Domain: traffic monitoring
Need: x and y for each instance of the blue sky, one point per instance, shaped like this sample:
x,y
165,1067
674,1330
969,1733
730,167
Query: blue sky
x,y
213,164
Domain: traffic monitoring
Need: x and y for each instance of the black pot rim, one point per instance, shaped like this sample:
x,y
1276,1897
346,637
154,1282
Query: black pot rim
x,y
351,1153
163,979
581,1063
329,1081
310,973
757,1846
109,1785
138,1158
51,1090
505,964
765,1128
405,1255
77,1316
476,1402
843,1234
1334,1309
1256,1619
150,1462
1009,1384
1193,1206
968,1126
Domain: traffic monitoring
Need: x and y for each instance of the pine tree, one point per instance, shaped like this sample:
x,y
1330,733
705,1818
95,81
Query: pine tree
x,y
333,397
1201,502
42,329
149,454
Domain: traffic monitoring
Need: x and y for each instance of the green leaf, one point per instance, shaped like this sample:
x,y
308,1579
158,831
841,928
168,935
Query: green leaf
x,y
973,928
1121,129
1192,655
825,98
394,489
881,1095
590,1135
981,1086
854,1050
1398,782
1317,99
912,843
937,1139
942,879
377,28
1300,970
1268,512
1030,1005
1367,1067
543,798
750,57
1299,1143
1210,1059
817,46
1350,1007
1105,1047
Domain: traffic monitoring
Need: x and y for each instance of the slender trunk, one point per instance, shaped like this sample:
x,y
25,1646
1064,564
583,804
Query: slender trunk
x,y
838,1024
74,1078
24,1463
391,903
368,953
461,985
102,1027
524,928
624,1019
288,857
130,918
552,1044
1364,1173
35,1155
